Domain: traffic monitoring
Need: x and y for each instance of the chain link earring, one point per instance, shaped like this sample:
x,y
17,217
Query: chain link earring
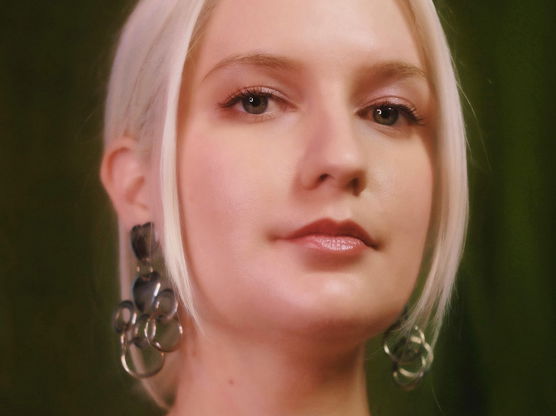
x,y
411,355
149,322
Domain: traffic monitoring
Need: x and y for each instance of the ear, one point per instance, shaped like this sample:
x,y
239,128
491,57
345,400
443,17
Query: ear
x,y
124,174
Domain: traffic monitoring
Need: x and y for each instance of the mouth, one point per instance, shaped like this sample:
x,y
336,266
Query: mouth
x,y
333,236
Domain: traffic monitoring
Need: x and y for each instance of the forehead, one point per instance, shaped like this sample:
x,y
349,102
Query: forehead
x,y
326,36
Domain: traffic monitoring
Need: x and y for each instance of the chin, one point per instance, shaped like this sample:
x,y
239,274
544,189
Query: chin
x,y
339,320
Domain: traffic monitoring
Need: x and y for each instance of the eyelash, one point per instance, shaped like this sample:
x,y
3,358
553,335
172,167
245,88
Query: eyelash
x,y
245,93
409,112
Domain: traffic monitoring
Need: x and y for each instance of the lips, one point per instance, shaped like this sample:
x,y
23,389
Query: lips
x,y
333,235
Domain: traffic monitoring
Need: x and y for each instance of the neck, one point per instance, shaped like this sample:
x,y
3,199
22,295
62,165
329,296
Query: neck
x,y
254,377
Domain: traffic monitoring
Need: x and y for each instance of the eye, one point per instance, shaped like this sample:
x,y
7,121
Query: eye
x,y
386,115
259,103
392,114
255,104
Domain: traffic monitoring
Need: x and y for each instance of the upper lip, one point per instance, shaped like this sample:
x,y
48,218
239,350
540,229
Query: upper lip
x,y
331,227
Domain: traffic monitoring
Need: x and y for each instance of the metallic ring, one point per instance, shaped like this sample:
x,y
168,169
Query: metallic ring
x,y
151,329
119,321
408,379
145,288
411,351
123,358
407,383
138,334
401,351
413,374
159,305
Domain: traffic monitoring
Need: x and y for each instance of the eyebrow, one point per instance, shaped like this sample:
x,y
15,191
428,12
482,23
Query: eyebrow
x,y
385,70
394,70
257,59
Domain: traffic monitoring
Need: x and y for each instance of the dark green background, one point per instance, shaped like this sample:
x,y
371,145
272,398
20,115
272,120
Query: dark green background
x,y
58,355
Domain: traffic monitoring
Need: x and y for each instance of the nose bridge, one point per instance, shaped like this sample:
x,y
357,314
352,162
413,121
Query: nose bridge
x,y
334,154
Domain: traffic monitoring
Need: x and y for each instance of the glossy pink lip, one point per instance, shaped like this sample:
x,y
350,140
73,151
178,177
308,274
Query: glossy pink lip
x,y
329,235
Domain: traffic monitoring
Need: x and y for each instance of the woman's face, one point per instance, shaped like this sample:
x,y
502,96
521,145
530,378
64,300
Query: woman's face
x,y
305,167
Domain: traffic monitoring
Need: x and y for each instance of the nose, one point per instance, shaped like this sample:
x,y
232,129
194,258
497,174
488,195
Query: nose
x,y
334,156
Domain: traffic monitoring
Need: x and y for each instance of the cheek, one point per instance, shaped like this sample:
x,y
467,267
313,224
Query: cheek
x,y
409,204
221,187
224,195
412,195
206,183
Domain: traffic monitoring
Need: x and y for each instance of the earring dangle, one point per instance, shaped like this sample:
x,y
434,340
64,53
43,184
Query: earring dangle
x,y
147,321
411,355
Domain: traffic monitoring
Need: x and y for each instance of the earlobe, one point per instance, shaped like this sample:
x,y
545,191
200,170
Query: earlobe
x,y
124,174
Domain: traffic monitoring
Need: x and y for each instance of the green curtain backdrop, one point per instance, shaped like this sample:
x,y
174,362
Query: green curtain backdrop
x,y
57,252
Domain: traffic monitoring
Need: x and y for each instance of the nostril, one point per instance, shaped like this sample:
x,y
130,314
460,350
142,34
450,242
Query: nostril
x,y
357,185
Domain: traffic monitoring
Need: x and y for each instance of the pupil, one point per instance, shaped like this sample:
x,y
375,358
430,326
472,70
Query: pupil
x,y
386,115
255,104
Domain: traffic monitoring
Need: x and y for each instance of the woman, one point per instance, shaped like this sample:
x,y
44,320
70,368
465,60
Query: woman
x,y
302,164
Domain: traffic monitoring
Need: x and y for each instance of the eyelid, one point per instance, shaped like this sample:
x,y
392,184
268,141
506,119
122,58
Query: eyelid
x,y
271,94
406,108
261,91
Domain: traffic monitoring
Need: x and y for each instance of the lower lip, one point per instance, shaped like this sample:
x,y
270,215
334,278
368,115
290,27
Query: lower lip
x,y
333,244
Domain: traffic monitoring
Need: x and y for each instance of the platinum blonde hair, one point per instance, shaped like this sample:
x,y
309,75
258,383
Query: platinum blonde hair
x,y
143,101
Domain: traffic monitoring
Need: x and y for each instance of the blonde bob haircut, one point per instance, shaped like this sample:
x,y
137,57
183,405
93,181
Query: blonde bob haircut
x,y
143,101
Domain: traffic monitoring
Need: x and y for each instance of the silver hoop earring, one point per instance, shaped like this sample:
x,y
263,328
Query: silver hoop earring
x,y
151,318
411,355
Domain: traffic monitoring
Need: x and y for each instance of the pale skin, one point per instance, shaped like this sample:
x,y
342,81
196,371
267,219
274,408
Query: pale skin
x,y
338,127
